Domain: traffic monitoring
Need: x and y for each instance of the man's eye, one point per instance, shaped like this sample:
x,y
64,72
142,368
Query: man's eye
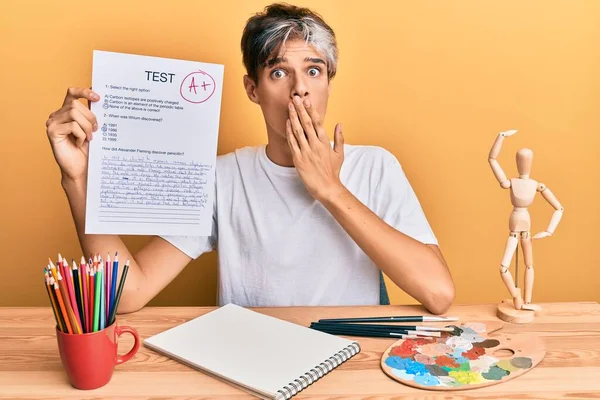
x,y
314,72
277,74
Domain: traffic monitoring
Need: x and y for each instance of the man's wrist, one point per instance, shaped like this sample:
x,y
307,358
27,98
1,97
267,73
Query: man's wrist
x,y
333,194
73,185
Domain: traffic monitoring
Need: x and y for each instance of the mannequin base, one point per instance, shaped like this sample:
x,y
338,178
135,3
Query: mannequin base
x,y
508,313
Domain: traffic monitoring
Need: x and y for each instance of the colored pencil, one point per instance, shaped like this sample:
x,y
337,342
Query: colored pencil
x,y
97,291
58,310
69,315
54,310
78,299
68,282
59,265
92,298
113,313
113,289
108,270
90,269
84,290
52,269
102,299
81,297
62,306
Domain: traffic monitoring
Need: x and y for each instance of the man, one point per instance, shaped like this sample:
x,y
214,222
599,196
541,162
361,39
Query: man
x,y
300,221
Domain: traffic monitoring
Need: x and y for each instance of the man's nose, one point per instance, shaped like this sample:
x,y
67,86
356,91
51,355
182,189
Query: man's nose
x,y
299,89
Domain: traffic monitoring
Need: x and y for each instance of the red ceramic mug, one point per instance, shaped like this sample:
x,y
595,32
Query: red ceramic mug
x,y
90,358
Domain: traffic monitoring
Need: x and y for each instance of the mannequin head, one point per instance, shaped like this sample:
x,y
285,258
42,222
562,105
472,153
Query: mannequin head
x,y
524,161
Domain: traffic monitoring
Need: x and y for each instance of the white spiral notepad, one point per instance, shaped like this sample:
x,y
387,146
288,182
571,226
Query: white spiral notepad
x,y
265,356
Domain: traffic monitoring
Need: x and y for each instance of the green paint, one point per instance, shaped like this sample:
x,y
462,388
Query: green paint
x,y
495,373
464,367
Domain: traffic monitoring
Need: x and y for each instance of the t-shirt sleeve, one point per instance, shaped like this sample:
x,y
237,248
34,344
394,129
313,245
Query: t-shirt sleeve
x,y
195,246
398,205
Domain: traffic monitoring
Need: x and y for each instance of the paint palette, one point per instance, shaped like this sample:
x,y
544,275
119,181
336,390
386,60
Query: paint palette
x,y
467,358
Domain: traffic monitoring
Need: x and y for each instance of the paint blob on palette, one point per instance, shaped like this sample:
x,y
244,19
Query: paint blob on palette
x,y
466,358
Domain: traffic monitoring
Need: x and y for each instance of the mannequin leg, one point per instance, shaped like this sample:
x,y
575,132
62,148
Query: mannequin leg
x,y
528,258
511,246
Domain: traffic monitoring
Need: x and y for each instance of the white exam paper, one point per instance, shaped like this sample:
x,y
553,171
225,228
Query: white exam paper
x,y
152,159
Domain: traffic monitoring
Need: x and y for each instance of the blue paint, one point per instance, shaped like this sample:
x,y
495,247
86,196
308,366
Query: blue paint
x,y
396,362
400,373
427,380
457,354
416,368
461,359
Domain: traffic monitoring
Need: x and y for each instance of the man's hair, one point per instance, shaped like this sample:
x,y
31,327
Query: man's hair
x,y
267,31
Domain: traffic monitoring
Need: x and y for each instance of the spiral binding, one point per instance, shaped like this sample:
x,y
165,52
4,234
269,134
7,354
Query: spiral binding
x,y
316,373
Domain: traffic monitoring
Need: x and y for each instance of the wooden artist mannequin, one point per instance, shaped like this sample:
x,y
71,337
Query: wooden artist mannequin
x,y
522,194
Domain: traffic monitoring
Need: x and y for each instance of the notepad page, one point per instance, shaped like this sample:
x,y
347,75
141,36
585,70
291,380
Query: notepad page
x,y
252,349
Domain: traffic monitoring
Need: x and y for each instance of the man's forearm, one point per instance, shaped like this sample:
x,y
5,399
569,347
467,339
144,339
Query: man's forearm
x,y
410,264
76,192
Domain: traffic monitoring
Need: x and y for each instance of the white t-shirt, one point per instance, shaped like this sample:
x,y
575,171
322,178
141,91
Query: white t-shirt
x,y
278,246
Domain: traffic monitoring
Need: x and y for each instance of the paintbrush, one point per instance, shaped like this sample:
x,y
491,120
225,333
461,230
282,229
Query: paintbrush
x,y
405,327
368,333
398,318
361,328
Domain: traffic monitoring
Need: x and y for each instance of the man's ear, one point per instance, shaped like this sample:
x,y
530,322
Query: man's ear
x,y
250,87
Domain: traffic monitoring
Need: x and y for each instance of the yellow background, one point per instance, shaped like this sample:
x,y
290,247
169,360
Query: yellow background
x,y
431,81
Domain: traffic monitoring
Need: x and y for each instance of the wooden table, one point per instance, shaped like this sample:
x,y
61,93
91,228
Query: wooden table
x,y
30,366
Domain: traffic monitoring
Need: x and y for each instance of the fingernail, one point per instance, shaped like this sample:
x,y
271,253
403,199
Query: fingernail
x,y
94,96
95,127
306,103
291,106
297,100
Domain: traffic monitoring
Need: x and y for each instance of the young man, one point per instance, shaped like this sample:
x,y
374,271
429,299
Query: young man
x,y
300,221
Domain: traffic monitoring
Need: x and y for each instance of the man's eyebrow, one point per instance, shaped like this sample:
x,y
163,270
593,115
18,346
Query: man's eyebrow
x,y
315,60
279,60
275,61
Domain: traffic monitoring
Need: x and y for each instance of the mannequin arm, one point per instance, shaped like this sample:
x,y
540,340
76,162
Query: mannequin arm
x,y
496,168
558,208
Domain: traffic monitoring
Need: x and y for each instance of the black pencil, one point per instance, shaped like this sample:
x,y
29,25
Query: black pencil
x,y
113,313
78,298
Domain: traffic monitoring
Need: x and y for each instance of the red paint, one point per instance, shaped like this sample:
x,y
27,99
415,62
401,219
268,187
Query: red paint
x,y
474,353
445,361
421,341
406,350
